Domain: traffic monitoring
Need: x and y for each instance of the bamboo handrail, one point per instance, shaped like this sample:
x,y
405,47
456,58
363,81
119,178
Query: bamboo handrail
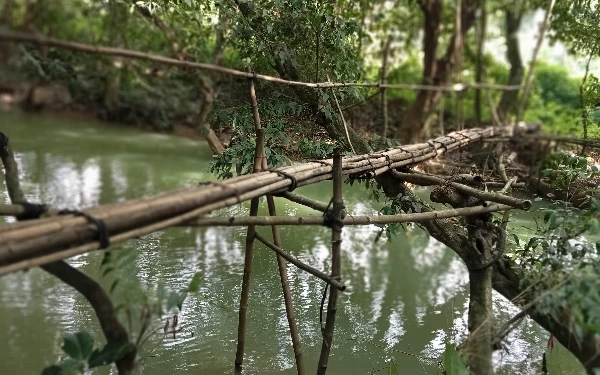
x,y
14,36
348,220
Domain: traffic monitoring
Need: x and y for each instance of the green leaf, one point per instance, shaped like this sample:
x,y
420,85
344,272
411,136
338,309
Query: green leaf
x,y
195,283
66,367
393,368
114,285
175,300
453,363
556,222
112,352
516,239
52,370
594,225
78,345
107,271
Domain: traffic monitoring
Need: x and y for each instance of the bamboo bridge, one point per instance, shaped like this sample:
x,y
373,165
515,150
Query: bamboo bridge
x,y
45,236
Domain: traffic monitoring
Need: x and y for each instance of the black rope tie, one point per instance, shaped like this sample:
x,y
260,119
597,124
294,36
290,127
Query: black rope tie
x,y
333,218
31,211
103,236
291,177
389,161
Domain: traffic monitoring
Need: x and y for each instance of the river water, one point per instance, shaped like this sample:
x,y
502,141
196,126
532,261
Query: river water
x,y
408,295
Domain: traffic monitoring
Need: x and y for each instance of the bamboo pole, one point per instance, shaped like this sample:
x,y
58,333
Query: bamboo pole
x,y
132,234
305,267
251,232
336,241
287,295
417,178
348,220
281,263
20,37
315,205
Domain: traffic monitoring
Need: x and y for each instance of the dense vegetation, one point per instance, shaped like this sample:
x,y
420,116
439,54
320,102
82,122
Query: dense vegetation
x,y
431,42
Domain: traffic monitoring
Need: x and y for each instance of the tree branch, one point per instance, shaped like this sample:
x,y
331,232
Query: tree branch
x,y
113,331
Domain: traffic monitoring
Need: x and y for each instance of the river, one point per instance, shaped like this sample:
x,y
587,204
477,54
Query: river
x,y
408,295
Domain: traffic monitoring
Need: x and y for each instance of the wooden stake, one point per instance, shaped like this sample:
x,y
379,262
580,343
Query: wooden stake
x,y
336,242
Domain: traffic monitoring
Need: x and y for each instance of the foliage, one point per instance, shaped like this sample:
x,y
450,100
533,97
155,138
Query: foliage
x,y
564,168
82,355
315,148
79,347
562,266
555,85
273,116
453,362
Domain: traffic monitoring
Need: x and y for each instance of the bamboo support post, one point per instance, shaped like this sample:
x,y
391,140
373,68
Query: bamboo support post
x,y
239,355
258,163
416,178
285,286
336,242
287,295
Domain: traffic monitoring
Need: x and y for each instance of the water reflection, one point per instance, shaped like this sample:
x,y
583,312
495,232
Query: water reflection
x,y
408,294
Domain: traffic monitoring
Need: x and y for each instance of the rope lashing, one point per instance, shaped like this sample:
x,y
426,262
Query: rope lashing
x,y
103,236
31,211
294,184
333,218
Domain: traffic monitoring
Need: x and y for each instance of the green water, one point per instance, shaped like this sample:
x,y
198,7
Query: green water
x,y
408,294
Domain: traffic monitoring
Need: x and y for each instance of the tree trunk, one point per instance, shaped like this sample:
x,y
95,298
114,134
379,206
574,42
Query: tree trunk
x,y
113,330
207,102
481,320
506,280
435,72
508,102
